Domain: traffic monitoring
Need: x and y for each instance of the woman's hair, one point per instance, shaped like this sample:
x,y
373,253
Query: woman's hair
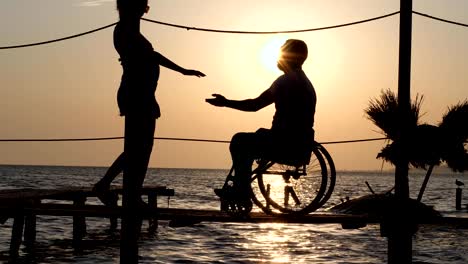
x,y
294,52
132,7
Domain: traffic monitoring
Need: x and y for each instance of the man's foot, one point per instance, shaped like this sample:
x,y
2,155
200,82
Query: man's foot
x,y
232,194
221,193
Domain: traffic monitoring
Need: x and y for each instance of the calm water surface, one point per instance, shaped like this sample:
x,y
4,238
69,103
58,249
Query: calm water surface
x,y
232,242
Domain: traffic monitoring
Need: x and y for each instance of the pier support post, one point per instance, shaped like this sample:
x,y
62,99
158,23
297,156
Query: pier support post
x,y
79,222
458,198
30,227
400,228
131,220
130,231
16,234
153,221
268,205
114,219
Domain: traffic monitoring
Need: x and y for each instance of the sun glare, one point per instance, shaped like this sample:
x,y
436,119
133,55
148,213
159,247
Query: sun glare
x,y
270,52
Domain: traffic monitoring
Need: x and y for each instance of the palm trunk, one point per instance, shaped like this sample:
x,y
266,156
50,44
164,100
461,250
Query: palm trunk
x,y
424,184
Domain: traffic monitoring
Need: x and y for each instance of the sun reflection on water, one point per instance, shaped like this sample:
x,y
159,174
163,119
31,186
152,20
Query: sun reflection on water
x,y
278,243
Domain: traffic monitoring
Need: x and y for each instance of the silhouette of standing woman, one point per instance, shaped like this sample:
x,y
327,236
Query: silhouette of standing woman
x,y
136,100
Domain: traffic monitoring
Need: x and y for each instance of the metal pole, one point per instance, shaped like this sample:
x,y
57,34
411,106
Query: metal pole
x,y
458,198
404,101
400,227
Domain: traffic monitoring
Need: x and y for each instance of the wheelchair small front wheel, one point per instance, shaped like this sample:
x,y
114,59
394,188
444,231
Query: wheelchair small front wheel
x,y
236,208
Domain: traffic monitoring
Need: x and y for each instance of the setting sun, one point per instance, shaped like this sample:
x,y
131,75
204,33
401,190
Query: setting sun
x,y
270,52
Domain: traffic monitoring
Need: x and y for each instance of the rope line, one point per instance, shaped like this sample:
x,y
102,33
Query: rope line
x,y
199,29
57,40
233,31
269,32
165,138
58,139
440,19
352,141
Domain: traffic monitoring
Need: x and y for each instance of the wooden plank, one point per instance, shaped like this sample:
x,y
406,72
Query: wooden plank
x,y
27,194
187,215
218,216
69,193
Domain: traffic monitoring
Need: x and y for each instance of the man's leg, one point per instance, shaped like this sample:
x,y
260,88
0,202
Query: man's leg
x,y
244,148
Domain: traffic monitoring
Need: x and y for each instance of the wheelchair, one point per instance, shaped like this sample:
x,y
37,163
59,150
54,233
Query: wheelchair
x,y
285,185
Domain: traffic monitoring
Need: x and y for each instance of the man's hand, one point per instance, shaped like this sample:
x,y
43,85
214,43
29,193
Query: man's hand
x,y
194,73
218,100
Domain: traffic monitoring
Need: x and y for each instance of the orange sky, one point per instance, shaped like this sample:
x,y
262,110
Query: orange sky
x,y
68,89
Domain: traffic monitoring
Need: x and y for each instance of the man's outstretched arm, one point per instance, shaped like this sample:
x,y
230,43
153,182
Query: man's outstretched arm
x,y
248,105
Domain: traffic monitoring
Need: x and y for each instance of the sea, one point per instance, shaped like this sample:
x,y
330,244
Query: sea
x,y
209,242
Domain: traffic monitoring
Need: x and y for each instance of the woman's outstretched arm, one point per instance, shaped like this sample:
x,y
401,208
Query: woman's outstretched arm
x,y
167,63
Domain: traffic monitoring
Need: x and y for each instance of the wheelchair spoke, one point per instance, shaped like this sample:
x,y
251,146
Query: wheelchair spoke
x,y
292,189
279,188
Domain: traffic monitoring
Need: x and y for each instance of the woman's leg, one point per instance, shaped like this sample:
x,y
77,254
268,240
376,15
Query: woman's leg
x,y
114,170
138,143
139,137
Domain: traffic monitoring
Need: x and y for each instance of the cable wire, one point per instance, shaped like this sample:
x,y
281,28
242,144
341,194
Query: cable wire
x,y
163,138
352,141
440,19
57,40
232,31
58,139
199,29
270,32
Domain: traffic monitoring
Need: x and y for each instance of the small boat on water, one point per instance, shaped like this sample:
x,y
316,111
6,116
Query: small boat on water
x,y
381,204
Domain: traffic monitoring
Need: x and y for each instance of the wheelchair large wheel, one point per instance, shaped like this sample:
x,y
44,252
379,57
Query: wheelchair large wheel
x,y
279,188
256,192
331,181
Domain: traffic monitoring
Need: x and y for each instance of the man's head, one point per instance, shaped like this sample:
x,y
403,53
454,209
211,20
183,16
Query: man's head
x,y
293,54
132,8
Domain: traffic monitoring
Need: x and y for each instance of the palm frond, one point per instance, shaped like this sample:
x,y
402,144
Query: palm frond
x,y
456,158
384,113
455,122
424,146
454,126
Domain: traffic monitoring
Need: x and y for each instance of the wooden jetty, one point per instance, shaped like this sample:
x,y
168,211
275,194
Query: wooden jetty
x,y
23,205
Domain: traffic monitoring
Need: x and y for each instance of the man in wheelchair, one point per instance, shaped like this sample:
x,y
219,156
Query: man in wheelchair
x,y
290,138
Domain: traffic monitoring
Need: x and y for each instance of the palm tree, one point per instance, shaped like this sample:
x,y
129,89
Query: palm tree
x,y
454,129
428,145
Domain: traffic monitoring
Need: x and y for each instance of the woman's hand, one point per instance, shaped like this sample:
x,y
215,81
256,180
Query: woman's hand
x,y
217,100
193,73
